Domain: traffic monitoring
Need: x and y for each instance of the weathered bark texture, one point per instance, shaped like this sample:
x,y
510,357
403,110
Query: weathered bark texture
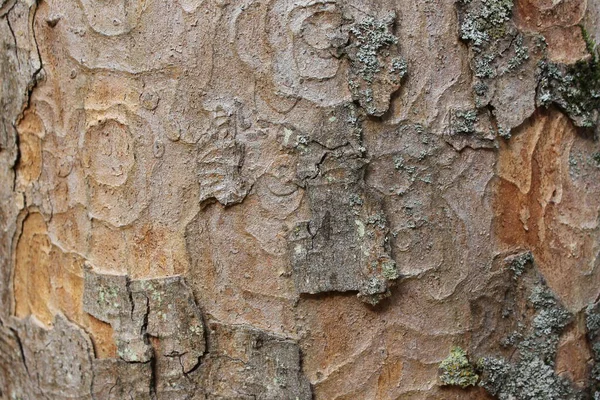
x,y
294,199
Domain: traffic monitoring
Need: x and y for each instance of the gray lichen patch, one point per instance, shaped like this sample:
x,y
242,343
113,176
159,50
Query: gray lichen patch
x,y
463,121
485,21
344,247
247,363
530,378
519,262
503,61
376,67
471,127
538,319
592,319
512,73
485,25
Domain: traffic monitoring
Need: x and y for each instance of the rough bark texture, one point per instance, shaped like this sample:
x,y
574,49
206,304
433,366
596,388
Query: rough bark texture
x,y
291,199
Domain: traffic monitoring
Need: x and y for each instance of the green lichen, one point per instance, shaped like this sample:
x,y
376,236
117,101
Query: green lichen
x,y
456,370
496,12
496,373
303,140
107,297
368,100
590,44
573,88
127,354
529,373
389,270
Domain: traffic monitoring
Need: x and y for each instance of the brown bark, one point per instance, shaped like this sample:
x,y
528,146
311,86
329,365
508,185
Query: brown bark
x,y
284,199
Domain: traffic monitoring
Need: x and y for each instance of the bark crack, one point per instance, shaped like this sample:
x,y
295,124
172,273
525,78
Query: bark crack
x,y
20,343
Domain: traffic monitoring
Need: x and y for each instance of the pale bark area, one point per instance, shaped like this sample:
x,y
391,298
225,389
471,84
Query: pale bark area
x,y
289,199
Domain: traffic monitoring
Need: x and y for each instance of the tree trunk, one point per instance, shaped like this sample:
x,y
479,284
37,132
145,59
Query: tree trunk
x,y
293,199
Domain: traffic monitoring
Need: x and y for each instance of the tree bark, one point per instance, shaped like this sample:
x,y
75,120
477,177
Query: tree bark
x,y
292,199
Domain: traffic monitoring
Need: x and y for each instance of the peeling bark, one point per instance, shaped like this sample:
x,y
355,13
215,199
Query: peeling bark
x,y
193,192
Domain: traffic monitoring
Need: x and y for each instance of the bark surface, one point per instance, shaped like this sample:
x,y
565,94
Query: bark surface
x,y
293,199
